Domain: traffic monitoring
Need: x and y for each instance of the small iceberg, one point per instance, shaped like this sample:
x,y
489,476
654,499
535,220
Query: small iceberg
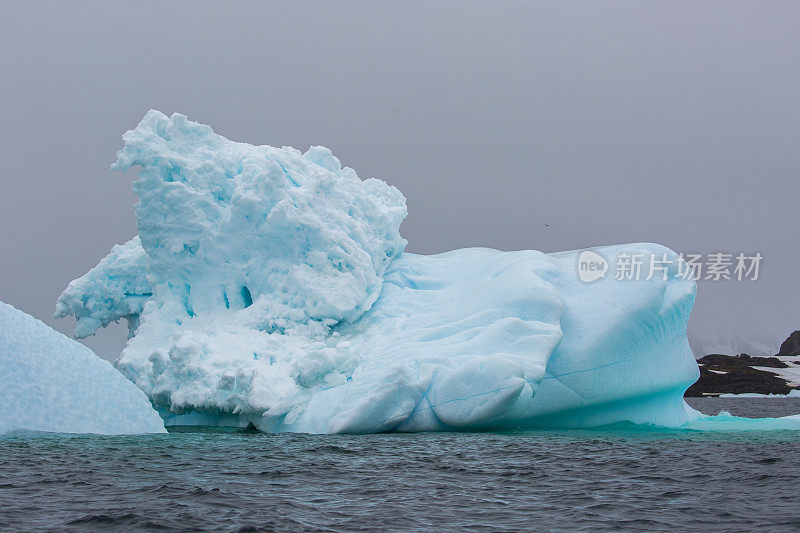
x,y
52,383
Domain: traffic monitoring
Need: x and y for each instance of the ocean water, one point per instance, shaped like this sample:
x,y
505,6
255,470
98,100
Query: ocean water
x,y
625,477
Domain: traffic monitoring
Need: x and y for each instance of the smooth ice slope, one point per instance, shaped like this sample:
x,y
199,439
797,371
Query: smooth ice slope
x,y
52,383
268,286
478,338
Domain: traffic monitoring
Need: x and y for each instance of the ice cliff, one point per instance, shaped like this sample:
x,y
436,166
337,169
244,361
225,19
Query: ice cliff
x,y
52,383
269,287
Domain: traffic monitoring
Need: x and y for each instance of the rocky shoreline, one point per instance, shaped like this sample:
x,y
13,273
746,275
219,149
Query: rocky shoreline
x,y
746,374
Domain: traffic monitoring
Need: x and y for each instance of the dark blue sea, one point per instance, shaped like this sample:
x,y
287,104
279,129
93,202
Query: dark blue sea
x,y
617,478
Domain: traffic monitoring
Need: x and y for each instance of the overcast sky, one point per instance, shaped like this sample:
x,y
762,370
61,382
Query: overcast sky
x,y
670,122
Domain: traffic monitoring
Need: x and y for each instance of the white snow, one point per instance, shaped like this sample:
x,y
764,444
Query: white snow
x,y
791,374
270,287
52,383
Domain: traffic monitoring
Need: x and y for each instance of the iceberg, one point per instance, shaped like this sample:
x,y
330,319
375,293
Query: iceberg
x,y
52,383
270,287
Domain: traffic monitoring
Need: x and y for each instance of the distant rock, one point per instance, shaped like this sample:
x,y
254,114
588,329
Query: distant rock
x,y
720,374
790,346
729,362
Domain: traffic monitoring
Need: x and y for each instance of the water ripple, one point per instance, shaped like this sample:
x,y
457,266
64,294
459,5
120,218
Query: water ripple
x,y
210,480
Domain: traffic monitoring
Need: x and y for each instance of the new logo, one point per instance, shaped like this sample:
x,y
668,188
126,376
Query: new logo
x,y
591,266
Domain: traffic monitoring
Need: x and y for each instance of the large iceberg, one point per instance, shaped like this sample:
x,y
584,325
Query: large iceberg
x,y
52,383
269,287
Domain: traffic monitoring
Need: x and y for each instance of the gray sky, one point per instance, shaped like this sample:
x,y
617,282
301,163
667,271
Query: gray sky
x,y
670,122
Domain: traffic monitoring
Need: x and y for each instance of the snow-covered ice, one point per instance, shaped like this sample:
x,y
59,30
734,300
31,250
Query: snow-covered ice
x,y
52,383
269,287
116,288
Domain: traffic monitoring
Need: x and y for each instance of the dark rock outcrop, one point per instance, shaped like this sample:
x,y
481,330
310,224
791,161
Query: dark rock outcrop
x,y
721,374
790,346
729,362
